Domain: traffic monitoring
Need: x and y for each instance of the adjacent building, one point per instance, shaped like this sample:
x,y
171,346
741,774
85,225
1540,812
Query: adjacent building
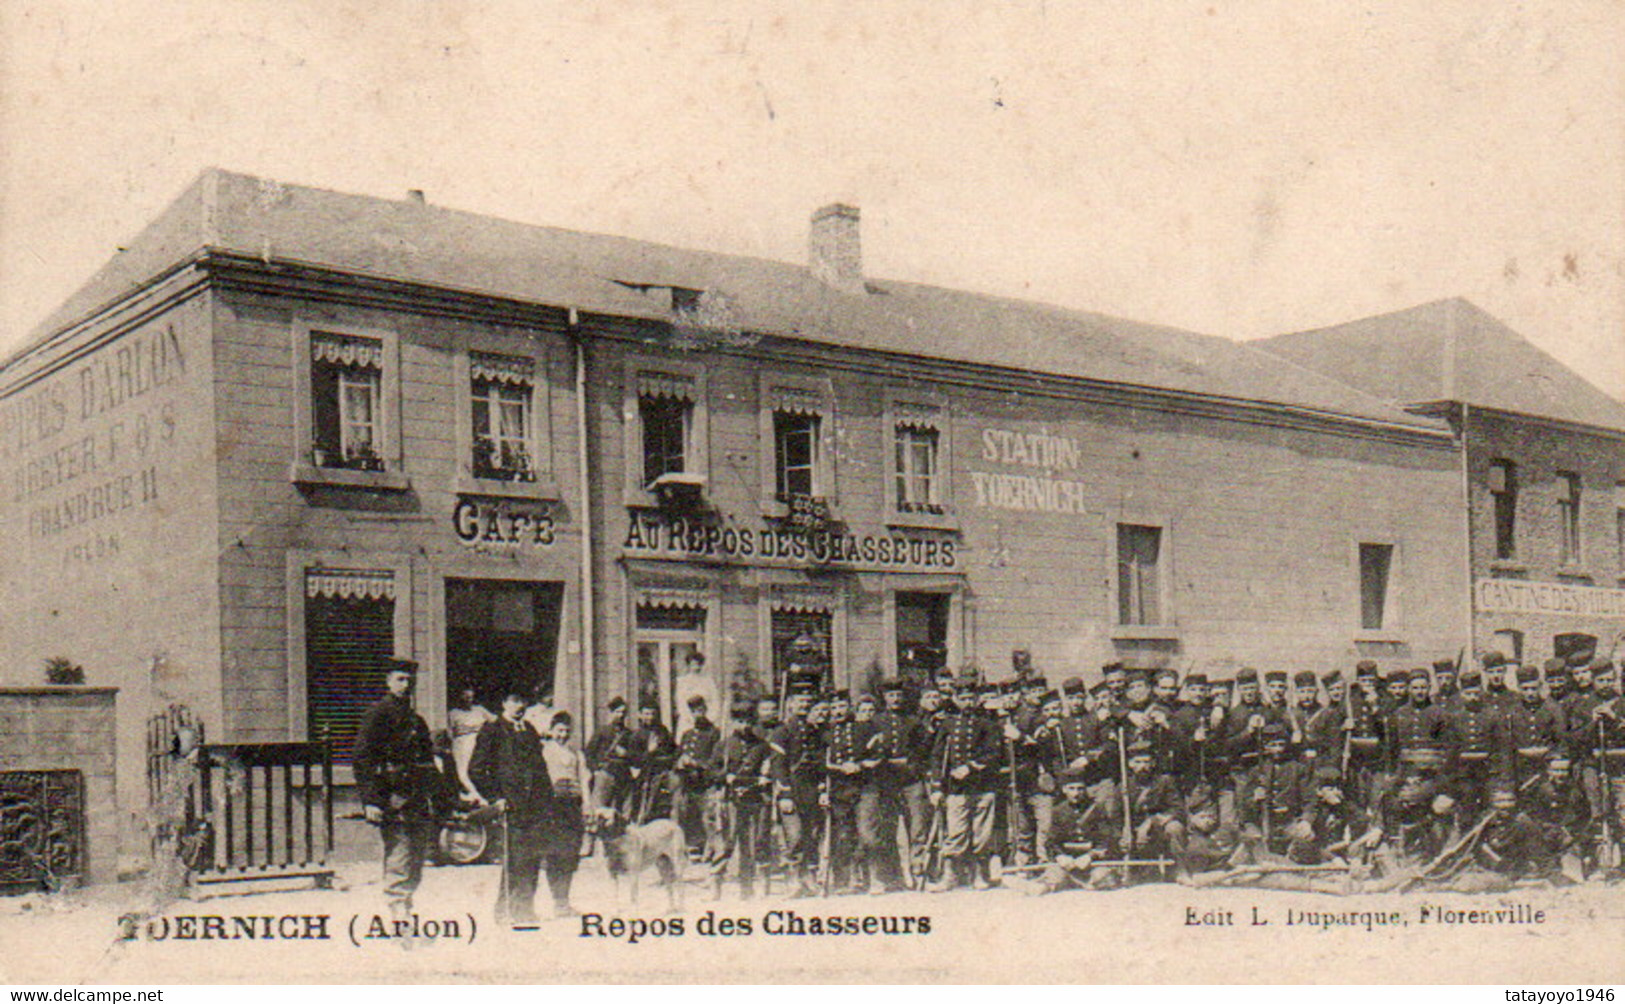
x,y
288,433
1543,467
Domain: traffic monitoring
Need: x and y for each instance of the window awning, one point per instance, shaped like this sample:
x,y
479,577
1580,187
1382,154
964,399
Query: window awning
x,y
502,369
651,384
350,583
364,352
669,598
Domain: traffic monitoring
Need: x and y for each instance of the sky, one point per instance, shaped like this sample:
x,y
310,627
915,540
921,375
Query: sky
x,y
1241,169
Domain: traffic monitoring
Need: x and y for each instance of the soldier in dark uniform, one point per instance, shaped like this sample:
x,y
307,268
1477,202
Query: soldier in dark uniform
x,y
843,787
966,758
1115,677
1207,842
1272,793
1534,729
1558,806
1496,692
510,770
1328,822
1033,803
1395,691
696,776
1244,725
1195,728
1165,690
1077,832
652,754
1074,742
746,788
887,773
1154,804
1367,739
1605,740
1479,744
395,773
908,743
609,757
1275,684
1445,692
1557,683
1322,731
1418,805
797,768
1305,705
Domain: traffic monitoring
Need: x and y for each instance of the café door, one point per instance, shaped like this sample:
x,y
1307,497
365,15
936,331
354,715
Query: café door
x,y
670,652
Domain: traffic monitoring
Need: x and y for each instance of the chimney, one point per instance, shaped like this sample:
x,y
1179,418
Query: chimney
x,y
834,251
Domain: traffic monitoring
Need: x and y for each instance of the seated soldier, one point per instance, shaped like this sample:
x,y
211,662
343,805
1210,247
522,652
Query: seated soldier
x,y
1329,824
1205,843
1271,795
1078,829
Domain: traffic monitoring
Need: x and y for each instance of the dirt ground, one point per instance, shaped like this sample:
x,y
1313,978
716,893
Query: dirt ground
x,y
1153,933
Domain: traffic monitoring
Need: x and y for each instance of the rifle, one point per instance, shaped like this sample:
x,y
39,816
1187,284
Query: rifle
x,y
939,817
1266,810
1012,827
1122,771
1608,855
826,842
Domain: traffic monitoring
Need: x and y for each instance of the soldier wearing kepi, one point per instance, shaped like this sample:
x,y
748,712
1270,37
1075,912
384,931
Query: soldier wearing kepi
x,y
609,757
744,798
1367,738
797,768
886,774
1033,803
1496,692
1479,744
1323,732
1272,794
1606,741
966,760
1419,804
394,772
1534,729
696,775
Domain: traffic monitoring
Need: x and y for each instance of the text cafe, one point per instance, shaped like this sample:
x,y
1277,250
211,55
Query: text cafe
x,y
719,605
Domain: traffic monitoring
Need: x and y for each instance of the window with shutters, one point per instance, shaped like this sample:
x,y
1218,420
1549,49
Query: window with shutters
x,y
349,640
1139,575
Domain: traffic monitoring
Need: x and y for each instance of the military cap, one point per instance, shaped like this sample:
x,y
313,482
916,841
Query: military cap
x,y
1444,665
1331,676
839,695
1168,674
1602,666
891,685
1247,674
1556,667
866,699
617,703
1136,676
1196,680
1305,678
1111,667
1275,676
1073,685
1035,683
1395,676
1365,669
1326,774
970,676
1099,688
1580,658
648,704
401,666
1419,673
1274,730
1470,678
696,702
1492,660
1011,686
802,681
1072,776
743,709
1528,674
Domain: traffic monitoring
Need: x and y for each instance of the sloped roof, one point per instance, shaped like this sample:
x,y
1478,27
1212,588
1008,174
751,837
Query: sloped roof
x,y
1450,350
414,242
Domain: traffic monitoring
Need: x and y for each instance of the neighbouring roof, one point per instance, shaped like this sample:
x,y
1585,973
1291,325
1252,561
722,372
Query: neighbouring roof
x,y
410,241
1450,350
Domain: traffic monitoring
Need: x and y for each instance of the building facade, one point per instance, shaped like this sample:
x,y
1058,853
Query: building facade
x,y
1543,465
289,434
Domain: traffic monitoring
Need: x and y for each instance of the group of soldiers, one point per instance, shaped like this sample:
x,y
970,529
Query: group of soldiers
x,y
1514,771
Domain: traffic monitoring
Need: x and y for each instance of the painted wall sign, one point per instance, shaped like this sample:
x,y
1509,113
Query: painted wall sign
x,y
1514,596
1039,451
487,524
658,535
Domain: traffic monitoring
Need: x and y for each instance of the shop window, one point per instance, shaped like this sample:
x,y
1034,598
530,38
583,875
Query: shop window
x,y
922,634
501,390
803,641
346,387
918,465
666,423
1376,567
795,452
349,640
1568,517
1504,493
1139,587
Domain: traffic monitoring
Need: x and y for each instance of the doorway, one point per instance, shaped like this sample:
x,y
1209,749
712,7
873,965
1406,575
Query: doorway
x,y
922,634
670,653
501,635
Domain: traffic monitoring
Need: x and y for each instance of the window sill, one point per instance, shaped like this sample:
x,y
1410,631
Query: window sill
x,y
773,509
1508,565
545,487
1383,637
1145,632
923,521
1570,572
310,474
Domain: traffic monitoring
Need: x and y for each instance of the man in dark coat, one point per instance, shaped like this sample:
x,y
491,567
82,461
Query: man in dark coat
x,y
510,770
395,773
